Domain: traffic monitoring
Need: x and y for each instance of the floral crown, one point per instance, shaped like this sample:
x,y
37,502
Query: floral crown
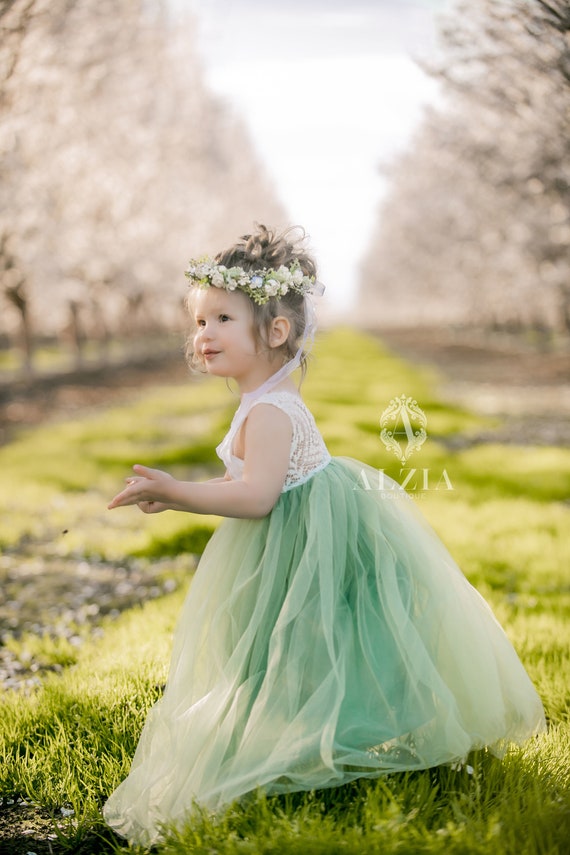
x,y
259,285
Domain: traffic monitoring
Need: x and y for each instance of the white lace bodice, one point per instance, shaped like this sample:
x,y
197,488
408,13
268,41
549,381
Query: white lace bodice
x,y
309,453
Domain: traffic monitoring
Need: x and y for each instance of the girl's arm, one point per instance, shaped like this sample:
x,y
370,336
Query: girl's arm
x,y
158,507
268,434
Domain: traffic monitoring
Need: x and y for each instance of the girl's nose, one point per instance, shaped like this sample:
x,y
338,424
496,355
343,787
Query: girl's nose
x,y
203,331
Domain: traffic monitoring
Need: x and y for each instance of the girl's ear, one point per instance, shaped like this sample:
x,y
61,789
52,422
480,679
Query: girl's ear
x,y
279,331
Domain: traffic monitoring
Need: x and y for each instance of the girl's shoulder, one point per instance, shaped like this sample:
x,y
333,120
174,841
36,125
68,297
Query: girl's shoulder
x,y
290,402
285,399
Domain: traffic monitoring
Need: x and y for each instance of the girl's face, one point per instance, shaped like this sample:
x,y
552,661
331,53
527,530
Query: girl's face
x,y
224,338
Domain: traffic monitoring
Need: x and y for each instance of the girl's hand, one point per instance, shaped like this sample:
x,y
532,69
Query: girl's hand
x,y
150,489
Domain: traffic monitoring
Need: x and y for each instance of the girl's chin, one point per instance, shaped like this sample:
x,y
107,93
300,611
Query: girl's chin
x,y
216,370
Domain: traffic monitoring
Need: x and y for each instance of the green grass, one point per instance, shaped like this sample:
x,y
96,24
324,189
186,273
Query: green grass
x,y
69,471
506,521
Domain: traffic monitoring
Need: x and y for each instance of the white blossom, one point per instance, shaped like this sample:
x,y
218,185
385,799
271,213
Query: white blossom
x,y
272,287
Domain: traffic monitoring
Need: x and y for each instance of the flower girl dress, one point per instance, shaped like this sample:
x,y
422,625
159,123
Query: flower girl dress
x,y
333,639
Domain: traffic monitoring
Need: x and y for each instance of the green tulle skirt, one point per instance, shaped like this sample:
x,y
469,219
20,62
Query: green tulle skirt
x,y
334,639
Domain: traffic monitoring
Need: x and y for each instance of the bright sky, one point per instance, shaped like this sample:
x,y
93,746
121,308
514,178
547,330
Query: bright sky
x,y
329,91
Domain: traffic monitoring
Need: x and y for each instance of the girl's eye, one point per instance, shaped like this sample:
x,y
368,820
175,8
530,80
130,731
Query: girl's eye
x,y
200,323
224,318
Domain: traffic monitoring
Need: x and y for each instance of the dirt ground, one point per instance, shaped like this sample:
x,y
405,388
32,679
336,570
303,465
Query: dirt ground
x,y
25,403
28,830
477,357
25,829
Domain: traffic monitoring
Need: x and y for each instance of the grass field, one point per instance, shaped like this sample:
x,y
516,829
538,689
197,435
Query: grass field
x,y
68,743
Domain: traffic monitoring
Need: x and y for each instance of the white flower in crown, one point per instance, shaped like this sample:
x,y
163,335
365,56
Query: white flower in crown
x,y
297,276
272,287
217,279
255,281
283,274
203,270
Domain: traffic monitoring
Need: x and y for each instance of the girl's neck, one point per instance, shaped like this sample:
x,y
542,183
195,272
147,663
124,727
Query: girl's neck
x,y
264,378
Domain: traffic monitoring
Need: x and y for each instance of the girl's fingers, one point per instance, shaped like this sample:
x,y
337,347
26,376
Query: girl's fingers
x,y
130,496
142,471
147,507
125,497
115,503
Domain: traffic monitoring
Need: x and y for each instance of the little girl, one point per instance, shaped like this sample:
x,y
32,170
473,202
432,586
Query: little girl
x,y
327,635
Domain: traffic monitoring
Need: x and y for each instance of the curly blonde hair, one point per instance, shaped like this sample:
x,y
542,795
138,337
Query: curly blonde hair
x,y
267,249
